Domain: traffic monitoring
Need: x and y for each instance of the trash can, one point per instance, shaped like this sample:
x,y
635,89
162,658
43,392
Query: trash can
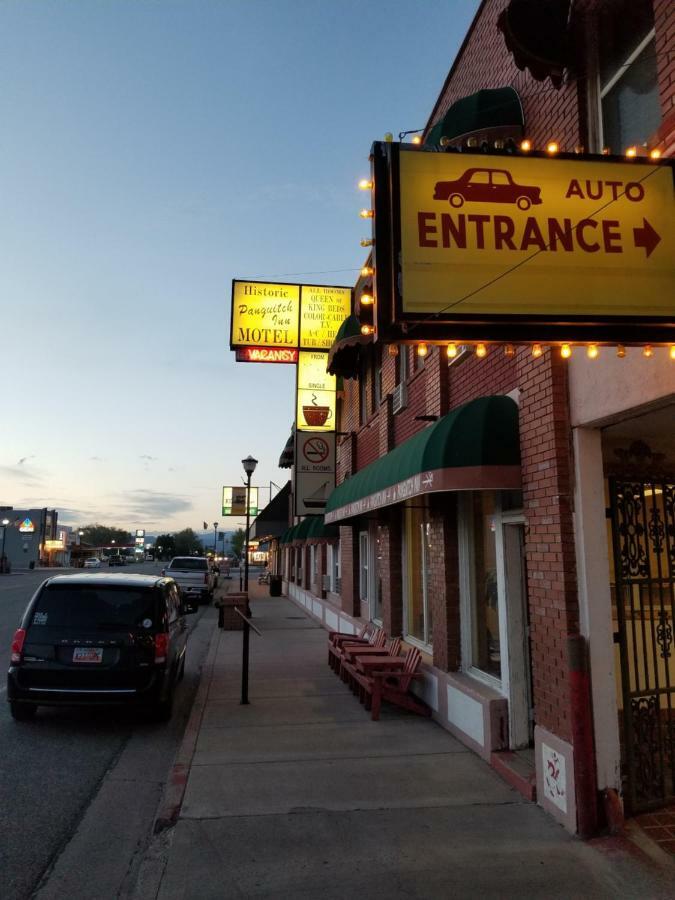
x,y
275,585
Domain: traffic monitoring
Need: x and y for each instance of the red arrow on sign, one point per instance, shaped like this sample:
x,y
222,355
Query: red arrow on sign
x,y
646,237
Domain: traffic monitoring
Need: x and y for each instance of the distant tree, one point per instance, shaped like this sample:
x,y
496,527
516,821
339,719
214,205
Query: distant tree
x,y
187,543
103,535
165,546
237,541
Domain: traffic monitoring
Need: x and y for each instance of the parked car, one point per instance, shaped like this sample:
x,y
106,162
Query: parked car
x,y
487,185
99,640
116,560
194,576
92,563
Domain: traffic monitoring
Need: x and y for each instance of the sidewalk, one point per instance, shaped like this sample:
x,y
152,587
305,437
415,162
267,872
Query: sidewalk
x,y
301,795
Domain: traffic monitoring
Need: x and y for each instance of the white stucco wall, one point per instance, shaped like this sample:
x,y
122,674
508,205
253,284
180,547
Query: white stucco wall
x,y
604,388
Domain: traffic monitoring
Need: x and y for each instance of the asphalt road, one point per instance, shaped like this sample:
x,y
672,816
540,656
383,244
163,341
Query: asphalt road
x,y
73,776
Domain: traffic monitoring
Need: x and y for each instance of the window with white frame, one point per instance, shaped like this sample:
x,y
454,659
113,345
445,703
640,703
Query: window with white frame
x,y
363,566
334,556
417,609
630,111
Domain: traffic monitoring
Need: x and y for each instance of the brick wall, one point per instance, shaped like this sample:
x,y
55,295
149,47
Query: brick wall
x,y
664,26
549,542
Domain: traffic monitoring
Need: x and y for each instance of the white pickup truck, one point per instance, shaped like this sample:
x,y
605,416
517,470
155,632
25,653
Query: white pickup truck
x,y
193,575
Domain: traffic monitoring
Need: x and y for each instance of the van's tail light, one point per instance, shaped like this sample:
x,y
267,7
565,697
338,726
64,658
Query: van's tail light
x,y
161,648
17,645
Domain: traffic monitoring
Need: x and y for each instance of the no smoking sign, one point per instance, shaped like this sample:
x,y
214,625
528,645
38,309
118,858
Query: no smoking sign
x,y
315,451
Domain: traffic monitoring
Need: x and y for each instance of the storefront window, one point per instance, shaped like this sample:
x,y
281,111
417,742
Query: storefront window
x,y
417,559
335,568
377,537
486,650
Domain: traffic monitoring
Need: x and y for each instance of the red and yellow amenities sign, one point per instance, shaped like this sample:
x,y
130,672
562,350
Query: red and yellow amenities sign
x,y
270,317
548,236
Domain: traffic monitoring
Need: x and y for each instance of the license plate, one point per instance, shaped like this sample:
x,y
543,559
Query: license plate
x,y
88,654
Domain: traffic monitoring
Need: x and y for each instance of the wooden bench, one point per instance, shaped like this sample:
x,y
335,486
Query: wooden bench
x,y
389,678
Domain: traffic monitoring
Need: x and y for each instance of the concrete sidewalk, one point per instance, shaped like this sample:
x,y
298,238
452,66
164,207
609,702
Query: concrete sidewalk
x,y
301,795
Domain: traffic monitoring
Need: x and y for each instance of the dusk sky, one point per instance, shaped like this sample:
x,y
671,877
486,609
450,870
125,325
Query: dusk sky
x,y
151,151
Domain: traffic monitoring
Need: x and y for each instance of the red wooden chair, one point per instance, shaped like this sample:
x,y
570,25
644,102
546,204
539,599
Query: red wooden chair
x,y
337,638
353,655
391,684
376,638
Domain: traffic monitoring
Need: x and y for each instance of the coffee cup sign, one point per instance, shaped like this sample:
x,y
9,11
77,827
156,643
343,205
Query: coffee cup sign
x,y
315,415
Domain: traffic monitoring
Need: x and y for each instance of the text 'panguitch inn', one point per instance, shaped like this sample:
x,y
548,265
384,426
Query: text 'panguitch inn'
x,y
483,457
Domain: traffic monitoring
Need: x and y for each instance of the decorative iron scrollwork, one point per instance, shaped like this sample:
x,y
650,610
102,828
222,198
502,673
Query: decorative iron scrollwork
x,y
648,776
631,531
664,634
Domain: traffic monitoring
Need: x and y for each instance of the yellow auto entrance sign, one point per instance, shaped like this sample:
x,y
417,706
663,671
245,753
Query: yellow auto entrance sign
x,y
518,235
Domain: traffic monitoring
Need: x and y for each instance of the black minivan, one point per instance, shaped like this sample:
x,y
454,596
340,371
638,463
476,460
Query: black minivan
x,y
94,639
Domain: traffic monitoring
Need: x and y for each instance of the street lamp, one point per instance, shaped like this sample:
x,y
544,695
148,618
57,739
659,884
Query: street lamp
x,y
249,465
215,542
5,523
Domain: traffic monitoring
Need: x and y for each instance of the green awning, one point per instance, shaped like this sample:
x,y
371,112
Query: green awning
x,y
301,530
319,531
345,353
287,536
474,447
490,108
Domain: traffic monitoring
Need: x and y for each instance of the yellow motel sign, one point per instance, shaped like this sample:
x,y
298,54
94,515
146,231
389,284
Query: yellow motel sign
x,y
267,315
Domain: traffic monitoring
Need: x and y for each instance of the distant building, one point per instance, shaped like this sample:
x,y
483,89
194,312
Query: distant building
x,y
26,534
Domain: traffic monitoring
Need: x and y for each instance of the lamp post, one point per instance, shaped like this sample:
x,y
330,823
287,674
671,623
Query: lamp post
x,y
5,523
249,465
215,541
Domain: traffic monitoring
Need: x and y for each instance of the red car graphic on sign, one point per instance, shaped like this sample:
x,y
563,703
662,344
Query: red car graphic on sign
x,y
487,186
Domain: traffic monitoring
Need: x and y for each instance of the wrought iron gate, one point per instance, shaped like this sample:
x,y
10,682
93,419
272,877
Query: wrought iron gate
x,y
643,540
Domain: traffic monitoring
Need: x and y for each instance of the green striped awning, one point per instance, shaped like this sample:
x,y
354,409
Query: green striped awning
x,y
319,531
490,108
474,447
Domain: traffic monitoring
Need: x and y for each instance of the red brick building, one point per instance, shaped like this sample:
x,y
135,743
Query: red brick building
x,y
513,585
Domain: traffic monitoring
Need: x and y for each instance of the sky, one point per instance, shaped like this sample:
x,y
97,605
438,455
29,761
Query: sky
x,y
152,151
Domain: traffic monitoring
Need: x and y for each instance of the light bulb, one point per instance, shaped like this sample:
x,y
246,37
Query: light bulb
x,y
620,351
647,351
509,350
552,147
525,145
672,351
655,153
417,139
392,349
565,351
592,351
481,351
367,213
365,184
631,152
367,242
537,350
451,351
367,299
422,350
366,271
367,329
389,137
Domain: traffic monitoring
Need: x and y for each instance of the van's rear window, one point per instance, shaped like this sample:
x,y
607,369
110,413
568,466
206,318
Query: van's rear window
x,y
189,562
89,607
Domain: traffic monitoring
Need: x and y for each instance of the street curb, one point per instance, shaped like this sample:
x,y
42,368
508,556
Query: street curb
x,y
172,801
